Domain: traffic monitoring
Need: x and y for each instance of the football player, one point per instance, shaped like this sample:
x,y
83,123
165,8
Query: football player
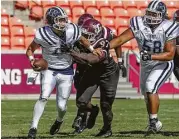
x,y
80,120
176,57
55,39
99,71
155,36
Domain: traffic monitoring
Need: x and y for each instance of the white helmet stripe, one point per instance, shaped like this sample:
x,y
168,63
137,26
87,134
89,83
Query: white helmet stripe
x,y
155,6
153,2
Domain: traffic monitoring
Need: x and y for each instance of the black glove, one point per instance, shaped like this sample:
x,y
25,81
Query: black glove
x,y
123,68
145,56
65,48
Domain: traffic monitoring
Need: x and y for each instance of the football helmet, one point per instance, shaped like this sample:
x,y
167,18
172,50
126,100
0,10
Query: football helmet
x,y
57,18
83,18
176,16
91,30
155,12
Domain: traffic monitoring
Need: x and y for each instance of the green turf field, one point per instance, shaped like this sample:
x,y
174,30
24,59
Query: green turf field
x,y
130,120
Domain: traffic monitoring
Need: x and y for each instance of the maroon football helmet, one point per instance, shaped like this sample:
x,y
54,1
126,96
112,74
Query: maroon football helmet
x,y
83,18
92,30
176,16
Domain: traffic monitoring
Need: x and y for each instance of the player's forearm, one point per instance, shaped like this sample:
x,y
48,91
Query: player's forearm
x,y
118,51
30,50
116,42
85,58
86,43
166,56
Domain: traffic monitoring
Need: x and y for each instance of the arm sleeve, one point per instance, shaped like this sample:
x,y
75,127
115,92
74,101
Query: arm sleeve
x,y
39,37
134,24
76,32
172,32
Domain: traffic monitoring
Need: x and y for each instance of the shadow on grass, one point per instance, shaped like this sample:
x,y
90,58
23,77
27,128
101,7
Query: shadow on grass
x,y
58,135
137,132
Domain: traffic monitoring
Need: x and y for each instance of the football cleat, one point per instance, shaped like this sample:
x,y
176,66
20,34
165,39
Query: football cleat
x,y
92,117
77,122
32,133
104,133
154,126
55,127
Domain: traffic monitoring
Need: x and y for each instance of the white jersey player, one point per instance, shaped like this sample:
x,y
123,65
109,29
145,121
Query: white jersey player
x,y
55,39
155,36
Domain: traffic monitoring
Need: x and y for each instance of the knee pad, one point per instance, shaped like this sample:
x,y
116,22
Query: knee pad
x,y
62,105
105,106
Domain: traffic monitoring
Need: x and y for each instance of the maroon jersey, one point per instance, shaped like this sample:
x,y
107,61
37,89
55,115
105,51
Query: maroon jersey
x,y
107,33
176,57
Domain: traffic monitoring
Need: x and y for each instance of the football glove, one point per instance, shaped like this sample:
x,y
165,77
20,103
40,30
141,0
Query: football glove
x,y
145,56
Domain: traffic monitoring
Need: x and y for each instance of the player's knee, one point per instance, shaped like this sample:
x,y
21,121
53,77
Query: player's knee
x,y
62,105
105,105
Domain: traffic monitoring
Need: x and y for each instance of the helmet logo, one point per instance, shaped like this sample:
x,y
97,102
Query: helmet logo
x,y
52,12
97,28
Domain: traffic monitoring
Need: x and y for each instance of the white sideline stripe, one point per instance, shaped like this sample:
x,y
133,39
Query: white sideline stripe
x,y
73,96
18,52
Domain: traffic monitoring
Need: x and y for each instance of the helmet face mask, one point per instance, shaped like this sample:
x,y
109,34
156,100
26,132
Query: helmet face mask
x,y
155,13
153,17
88,35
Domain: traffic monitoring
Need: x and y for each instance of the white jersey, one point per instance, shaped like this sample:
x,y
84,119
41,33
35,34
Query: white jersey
x,y
153,41
51,45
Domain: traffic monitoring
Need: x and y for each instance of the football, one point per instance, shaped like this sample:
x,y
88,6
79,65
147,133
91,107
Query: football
x,y
40,64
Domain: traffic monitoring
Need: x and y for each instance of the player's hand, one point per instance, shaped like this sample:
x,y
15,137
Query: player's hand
x,y
145,56
122,68
35,68
32,63
98,52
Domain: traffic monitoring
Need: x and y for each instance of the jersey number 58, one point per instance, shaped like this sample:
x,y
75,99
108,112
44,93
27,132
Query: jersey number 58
x,y
155,45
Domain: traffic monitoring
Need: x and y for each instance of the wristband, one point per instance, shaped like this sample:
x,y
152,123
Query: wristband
x,y
119,59
31,58
91,48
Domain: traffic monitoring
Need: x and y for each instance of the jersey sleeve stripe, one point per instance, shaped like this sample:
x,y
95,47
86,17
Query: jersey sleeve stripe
x,y
176,26
105,32
132,23
74,30
40,31
137,22
45,31
169,27
78,32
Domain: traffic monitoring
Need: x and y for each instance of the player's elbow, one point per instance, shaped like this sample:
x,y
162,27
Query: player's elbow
x,y
170,56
